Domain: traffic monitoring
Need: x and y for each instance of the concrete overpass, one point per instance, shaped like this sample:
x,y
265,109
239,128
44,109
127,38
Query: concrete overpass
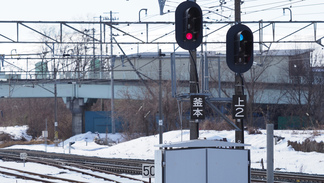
x,y
75,95
275,74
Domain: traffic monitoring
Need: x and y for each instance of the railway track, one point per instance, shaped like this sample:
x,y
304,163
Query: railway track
x,y
113,166
26,175
261,176
81,164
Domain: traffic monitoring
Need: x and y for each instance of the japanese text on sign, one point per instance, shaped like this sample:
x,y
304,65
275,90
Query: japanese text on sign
x,y
197,104
239,106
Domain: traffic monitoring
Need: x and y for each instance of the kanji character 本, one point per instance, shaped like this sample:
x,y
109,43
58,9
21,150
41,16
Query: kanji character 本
x,y
197,112
197,102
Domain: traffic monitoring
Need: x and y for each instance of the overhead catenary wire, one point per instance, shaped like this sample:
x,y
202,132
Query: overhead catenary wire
x,y
272,8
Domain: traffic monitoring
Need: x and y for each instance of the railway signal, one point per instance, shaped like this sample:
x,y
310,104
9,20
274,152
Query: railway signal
x,y
188,25
239,48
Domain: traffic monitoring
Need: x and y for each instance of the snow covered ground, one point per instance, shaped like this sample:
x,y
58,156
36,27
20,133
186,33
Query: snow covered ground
x,y
286,158
16,132
53,171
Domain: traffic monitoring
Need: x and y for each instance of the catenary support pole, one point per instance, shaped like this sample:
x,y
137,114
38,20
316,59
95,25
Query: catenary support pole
x,y
113,125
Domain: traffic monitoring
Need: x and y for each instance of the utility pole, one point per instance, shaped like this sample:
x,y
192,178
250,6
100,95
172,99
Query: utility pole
x,y
239,87
113,129
160,99
55,109
270,175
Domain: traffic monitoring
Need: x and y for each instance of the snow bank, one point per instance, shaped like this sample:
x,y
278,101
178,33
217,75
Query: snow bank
x,y
286,158
16,132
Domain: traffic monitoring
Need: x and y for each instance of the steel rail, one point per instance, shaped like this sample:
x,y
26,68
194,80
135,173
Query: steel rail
x,y
288,176
134,166
24,177
66,161
40,175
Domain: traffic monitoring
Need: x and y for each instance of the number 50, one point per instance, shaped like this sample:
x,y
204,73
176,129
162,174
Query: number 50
x,y
148,170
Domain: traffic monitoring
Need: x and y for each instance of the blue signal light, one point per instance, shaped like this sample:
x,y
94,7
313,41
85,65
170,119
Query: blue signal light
x,y
241,37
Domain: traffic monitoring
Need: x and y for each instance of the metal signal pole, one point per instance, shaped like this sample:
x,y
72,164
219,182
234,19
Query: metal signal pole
x,y
193,88
189,31
239,86
237,11
193,125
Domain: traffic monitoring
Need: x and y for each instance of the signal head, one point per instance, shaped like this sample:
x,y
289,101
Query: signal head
x,y
188,25
239,48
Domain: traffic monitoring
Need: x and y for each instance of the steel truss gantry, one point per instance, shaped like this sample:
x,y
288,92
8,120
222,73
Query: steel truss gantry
x,y
51,33
265,32
98,35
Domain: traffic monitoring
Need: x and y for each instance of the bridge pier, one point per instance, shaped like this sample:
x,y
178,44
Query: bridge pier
x,y
78,106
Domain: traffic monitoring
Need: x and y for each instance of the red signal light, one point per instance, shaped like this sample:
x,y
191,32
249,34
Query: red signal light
x,y
189,36
188,25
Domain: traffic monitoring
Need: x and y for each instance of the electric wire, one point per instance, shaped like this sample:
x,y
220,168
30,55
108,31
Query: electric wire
x,y
266,4
272,8
228,10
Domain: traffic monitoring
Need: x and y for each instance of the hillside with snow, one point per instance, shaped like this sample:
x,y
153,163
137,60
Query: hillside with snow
x,y
286,158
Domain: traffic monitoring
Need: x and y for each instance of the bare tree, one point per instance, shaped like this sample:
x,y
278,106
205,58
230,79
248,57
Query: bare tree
x,y
256,80
139,112
74,61
305,91
34,112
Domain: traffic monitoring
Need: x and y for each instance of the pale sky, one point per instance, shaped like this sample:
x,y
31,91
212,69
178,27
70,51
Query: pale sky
x,y
252,10
128,10
73,9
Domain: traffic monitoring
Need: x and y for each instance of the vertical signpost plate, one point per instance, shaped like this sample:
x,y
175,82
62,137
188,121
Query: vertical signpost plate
x,y
239,106
197,107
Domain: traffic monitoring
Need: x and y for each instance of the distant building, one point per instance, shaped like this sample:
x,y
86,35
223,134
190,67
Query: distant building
x,y
271,82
